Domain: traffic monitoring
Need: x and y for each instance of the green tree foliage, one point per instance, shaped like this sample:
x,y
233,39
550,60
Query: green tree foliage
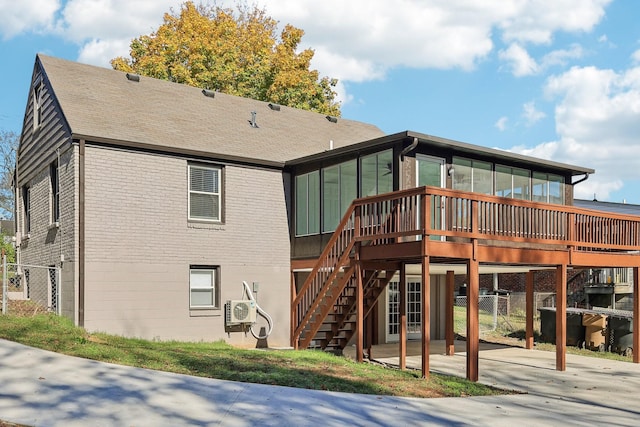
x,y
238,53
7,246
8,147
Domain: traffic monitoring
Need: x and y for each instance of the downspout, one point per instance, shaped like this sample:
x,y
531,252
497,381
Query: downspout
x,y
409,148
81,232
16,217
584,178
59,211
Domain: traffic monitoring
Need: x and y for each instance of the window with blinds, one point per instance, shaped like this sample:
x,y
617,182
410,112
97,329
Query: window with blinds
x,y
205,193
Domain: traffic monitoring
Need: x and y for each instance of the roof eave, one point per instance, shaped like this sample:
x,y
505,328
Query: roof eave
x,y
462,147
497,153
179,151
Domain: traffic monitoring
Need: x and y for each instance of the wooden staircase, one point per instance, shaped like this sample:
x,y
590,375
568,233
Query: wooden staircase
x,y
325,308
339,324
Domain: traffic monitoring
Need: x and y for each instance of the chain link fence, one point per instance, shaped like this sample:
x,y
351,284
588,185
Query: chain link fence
x,y
493,310
28,290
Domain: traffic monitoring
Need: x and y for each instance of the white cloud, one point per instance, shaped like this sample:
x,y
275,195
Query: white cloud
x,y
597,125
535,21
519,61
368,36
85,21
97,51
522,64
531,114
635,57
501,124
560,57
26,16
350,68
356,41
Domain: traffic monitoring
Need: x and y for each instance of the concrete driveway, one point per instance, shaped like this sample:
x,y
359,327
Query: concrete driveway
x,y
41,388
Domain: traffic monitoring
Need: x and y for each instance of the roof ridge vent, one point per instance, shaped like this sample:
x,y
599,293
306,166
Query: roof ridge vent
x,y
332,119
274,107
133,77
209,93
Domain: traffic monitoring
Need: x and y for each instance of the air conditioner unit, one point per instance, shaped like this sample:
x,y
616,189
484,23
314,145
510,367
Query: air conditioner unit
x,y
240,311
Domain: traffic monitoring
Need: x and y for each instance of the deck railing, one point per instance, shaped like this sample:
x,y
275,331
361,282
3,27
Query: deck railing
x,y
476,216
391,217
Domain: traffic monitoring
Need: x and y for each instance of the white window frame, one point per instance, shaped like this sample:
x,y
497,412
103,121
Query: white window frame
x,y
54,179
26,205
217,194
213,288
38,90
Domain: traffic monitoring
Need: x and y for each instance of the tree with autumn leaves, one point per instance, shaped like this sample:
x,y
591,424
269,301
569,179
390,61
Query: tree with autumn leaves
x,y
235,52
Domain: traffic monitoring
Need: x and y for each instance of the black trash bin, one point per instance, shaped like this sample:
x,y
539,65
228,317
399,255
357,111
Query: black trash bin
x,y
621,334
547,325
575,329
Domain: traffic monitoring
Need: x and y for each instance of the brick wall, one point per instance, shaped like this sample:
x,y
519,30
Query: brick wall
x,y
140,244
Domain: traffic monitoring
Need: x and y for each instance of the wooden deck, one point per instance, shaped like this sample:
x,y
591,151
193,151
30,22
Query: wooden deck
x,y
379,235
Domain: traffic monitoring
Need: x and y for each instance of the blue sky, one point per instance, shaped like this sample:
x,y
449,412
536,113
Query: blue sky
x,y
558,80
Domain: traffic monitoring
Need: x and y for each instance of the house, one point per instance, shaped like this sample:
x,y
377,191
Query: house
x,y
158,200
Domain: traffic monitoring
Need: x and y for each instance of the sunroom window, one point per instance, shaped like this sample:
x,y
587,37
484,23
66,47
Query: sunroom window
x,y
376,171
308,203
339,189
513,182
547,188
472,175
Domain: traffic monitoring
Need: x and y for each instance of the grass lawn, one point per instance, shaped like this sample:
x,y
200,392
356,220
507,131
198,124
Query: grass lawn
x,y
302,368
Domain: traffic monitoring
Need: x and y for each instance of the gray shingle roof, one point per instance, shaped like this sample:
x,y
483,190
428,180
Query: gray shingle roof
x,y
102,103
613,207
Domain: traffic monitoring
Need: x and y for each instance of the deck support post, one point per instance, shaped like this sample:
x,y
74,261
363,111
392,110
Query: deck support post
x,y
359,309
529,310
426,313
402,317
636,315
448,321
294,311
473,327
561,318
425,208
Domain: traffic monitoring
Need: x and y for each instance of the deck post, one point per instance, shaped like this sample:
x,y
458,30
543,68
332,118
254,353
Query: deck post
x,y
425,206
359,309
402,317
426,314
448,321
561,318
636,315
473,327
294,311
529,310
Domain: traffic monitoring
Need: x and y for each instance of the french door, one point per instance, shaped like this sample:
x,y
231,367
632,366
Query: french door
x,y
414,310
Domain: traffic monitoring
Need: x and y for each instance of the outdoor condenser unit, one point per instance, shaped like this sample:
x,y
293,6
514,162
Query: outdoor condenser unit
x,y
240,311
